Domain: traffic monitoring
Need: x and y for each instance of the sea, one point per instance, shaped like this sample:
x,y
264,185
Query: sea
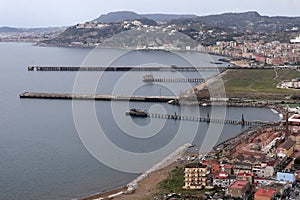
x,y
63,149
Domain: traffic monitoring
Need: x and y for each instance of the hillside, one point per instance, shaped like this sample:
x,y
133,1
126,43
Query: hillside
x,y
94,33
118,16
204,30
150,39
247,21
167,17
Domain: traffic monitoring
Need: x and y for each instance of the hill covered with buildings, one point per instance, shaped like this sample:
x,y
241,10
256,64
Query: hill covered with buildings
x,y
204,30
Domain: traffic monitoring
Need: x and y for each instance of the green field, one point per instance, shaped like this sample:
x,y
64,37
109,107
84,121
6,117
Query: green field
x,y
175,182
258,84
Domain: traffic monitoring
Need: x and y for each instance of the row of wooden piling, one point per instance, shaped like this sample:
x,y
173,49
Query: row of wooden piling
x,y
208,119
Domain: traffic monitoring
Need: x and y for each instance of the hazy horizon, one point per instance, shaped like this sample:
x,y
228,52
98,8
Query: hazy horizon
x,y
36,13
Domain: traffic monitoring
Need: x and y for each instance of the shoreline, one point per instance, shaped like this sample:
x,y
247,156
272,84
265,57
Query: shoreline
x,y
133,187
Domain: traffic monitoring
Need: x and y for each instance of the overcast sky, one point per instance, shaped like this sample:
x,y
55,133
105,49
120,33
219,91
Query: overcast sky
x,y
42,13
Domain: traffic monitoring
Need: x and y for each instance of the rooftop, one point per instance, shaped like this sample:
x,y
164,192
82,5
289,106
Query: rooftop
x,y
244,174
265,192
239,184
287,144
224,176
195,165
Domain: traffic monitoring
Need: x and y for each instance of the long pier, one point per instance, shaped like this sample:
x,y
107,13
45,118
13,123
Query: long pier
x,y
100,97
190,80
121,68
207,119
137,68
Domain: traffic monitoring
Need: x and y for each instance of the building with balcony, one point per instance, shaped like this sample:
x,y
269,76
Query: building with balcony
x,y
195,176
223,180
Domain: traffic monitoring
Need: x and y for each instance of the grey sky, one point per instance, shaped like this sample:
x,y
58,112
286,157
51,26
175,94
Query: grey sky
x,y
42,13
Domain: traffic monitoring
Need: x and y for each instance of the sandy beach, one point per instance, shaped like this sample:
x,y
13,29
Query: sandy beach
x,y
145,185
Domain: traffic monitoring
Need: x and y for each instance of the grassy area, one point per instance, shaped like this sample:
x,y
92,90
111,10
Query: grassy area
x,y
258,84
174,183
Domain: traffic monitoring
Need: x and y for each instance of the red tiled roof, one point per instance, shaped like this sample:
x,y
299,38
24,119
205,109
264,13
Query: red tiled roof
x,y
265,192
239,184
244,174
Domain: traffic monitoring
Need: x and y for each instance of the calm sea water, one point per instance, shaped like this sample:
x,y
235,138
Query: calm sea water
x,y
41,154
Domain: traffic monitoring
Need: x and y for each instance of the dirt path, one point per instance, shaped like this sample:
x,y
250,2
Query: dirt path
x,y
276,74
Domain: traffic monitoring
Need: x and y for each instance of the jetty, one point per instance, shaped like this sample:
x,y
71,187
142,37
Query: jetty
x,y
150,78
206,119
141,68
122,68
99,97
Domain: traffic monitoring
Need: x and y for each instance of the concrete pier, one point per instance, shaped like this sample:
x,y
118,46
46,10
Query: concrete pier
x,y
121,68
99,97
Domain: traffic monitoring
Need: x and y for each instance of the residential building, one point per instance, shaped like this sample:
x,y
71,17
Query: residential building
x,y
286,149
263,181
195,176
242,167
245,177
295,137
264,170
279,186
223,180
239,189
286,176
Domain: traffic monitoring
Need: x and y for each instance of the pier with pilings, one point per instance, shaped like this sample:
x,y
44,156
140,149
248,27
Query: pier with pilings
x,y
123,68
150,78
207,119
99,97
141,68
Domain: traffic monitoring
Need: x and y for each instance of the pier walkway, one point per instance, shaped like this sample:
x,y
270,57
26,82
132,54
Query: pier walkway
x,y
208,119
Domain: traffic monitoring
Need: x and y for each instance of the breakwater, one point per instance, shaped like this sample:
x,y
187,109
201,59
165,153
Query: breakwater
x,y
100,97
